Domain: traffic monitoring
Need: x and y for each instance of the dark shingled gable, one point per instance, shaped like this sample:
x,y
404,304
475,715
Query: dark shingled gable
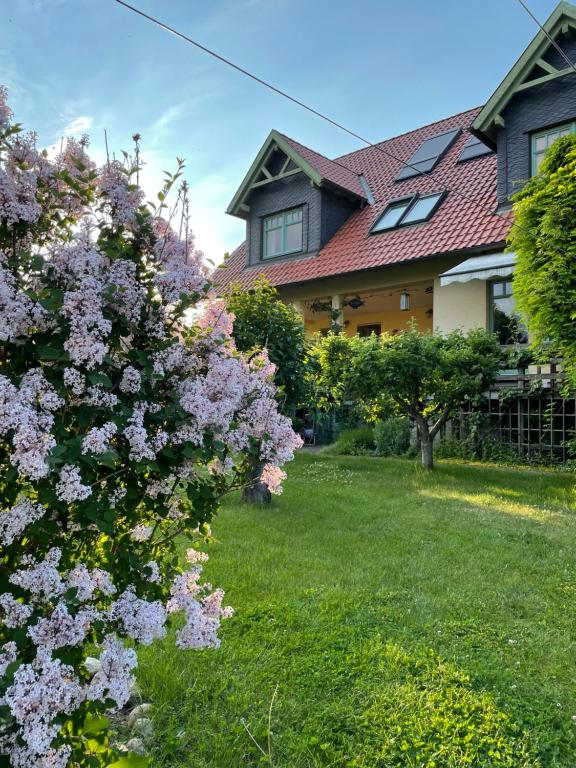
x,y
458,225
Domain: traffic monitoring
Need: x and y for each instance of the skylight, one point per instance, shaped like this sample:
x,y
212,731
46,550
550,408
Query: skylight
x,y
428,154
408,210
474,148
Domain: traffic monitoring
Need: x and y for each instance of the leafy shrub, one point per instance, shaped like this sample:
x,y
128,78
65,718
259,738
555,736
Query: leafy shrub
x,y
121,426
392,437
355,442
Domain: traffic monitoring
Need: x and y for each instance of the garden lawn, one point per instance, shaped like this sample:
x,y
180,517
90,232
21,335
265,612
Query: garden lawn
x,y
403,619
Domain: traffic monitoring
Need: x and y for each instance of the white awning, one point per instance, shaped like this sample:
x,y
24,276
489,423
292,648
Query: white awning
x,y
480,268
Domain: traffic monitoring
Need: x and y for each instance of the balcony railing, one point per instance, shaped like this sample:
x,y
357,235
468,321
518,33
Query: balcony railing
x,y
533,379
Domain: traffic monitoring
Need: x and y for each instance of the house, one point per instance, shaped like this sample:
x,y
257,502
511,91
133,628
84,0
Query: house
x,y
414,229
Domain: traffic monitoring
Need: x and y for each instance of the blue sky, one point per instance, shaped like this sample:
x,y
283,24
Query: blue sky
x,y
381,67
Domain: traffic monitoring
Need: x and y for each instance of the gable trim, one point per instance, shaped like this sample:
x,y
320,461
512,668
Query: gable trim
x,y
561,20
274,140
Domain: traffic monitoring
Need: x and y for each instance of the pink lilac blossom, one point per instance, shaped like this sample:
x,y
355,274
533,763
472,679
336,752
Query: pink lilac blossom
x,y
88,582
194,556
73,162
75,261
114,677
74,380
26,412
273,477
97,439
16,614
154,576
40,693
131,380
128,295
122,196
41,579
137,436
142,620
99,397
202,614
8,655
89,329
15,520
18,202
24,757
18,313
141,532
216,319
61,629
70,487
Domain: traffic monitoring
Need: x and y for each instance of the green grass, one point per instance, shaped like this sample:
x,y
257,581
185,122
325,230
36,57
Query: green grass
x,y
405,619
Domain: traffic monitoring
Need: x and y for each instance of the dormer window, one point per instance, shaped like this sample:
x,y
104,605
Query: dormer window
x,y
543,140
428,155
408,210
282,233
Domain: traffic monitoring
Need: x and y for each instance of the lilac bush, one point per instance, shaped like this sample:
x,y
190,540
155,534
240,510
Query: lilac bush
x,y
123,421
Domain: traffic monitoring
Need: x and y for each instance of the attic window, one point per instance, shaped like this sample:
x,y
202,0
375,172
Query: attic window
x,y
408,210
428,154
282,233
543,140
473,148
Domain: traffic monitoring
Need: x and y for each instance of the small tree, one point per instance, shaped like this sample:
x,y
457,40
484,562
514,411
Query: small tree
x,y
427,377
544,239
263,321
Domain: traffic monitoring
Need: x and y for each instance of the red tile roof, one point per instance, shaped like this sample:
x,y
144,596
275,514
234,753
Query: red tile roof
x,y
338,174
463,221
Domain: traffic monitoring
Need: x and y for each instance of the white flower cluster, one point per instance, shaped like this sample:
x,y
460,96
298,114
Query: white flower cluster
x,y
122,196
74,380
203,611
131,380
26,412
15,520
70,487
18,313
97,439
142,620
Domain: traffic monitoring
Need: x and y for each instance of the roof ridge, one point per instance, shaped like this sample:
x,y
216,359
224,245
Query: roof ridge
x,y
305,146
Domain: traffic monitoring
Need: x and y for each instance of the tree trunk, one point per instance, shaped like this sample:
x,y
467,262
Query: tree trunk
x,y
255,491
426,445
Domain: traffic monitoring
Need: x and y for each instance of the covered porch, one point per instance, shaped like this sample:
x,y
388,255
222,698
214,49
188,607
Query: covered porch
x,y
371,311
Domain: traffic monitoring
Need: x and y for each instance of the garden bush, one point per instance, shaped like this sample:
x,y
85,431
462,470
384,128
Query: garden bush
x,y
358,441
392,437
122,424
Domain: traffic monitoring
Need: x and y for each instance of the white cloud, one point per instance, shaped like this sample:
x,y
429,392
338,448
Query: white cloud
x,y
78,126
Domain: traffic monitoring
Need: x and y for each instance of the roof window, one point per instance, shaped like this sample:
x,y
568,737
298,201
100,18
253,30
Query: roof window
x,y
408,210
428,155
473,148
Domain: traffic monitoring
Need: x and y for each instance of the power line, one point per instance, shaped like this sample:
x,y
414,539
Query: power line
x,y
326,118
549,36
322,116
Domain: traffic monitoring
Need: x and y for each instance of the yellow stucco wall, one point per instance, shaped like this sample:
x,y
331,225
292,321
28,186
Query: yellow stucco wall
x,y
460,306
390,321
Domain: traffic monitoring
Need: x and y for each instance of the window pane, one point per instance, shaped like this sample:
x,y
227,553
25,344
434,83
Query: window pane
x,y
545,140
421,209
294,237
505,322
540,143
367,330
390,217
273,243
428,154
